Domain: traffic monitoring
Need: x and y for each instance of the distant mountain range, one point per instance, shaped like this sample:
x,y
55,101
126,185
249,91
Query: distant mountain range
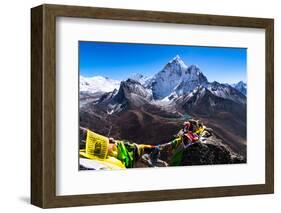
x,y
98,84
175,78
152,109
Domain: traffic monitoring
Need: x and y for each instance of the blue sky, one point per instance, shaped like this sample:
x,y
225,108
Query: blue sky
x,y
120,60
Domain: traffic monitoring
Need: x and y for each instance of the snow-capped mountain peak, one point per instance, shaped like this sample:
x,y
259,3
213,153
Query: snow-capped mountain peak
x,y
176,76
178,61
98,84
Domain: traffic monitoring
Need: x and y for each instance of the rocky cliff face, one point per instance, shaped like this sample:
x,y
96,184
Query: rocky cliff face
x,y
133,92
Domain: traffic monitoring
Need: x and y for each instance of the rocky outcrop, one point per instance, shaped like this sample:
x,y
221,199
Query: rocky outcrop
x,y
210,153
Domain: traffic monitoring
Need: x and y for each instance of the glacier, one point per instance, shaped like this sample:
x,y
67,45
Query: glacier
x,y
98,84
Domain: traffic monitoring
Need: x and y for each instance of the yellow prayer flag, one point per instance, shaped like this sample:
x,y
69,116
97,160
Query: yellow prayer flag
x,y
96,145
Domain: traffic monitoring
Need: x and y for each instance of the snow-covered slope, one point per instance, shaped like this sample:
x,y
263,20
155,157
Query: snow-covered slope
x,y
206,101
177,77
98,84
226,91
144,80
192,78
241,87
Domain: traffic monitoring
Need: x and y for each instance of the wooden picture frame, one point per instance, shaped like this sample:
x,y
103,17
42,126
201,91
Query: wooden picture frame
x,y
43,105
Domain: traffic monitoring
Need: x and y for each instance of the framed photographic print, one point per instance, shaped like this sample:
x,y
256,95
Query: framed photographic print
x,y
136,106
